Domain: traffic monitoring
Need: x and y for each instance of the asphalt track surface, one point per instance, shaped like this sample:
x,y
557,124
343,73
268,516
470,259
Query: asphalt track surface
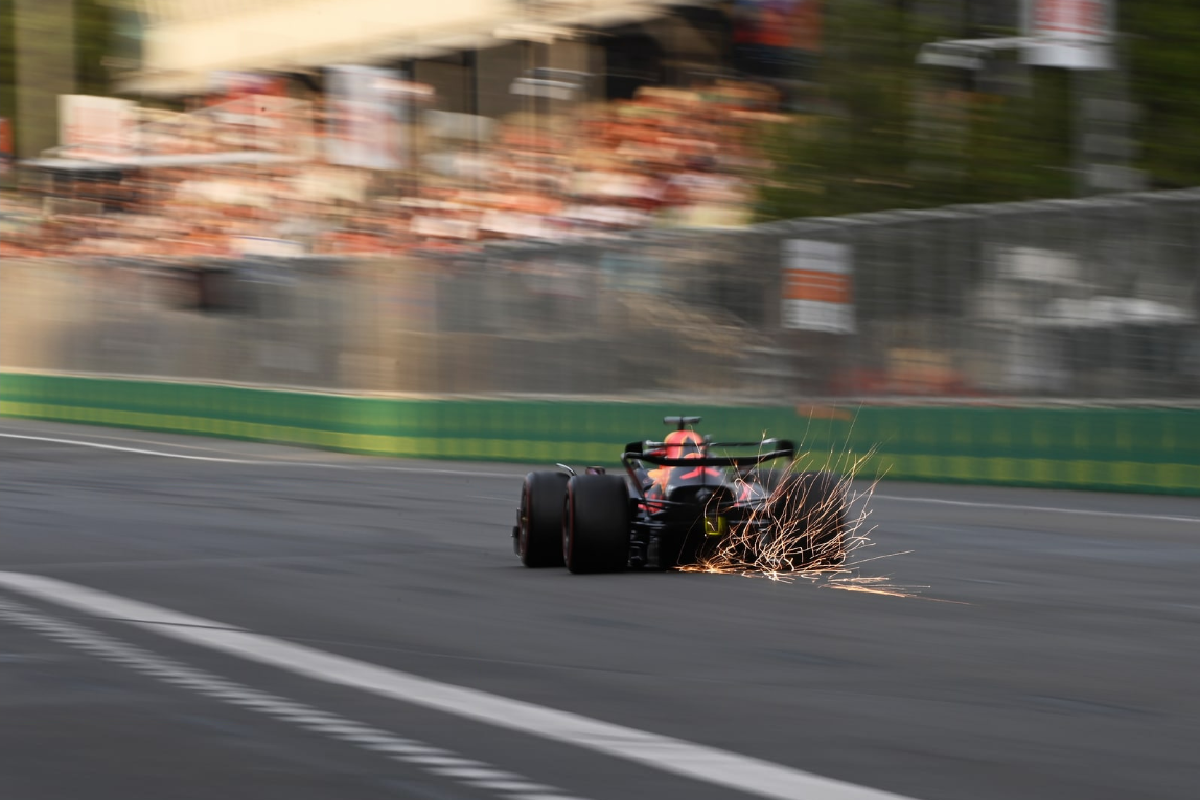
x,y
1055,652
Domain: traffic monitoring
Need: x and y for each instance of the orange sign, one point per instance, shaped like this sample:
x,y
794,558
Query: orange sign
x,y
817,292
823,287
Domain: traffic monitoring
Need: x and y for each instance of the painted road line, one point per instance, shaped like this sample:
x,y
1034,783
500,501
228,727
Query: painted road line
x,y
514,476
90,432
695,761
445,763
200,561
1083,512
263,462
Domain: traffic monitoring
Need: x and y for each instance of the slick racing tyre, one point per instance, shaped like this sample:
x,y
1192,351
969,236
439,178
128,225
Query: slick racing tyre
x,y
539,521
595,532
808,521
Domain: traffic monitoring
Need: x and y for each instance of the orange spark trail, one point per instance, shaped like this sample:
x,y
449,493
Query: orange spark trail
x,y
816,524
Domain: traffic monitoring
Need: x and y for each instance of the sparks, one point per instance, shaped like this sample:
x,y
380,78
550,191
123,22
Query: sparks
x,y
822,541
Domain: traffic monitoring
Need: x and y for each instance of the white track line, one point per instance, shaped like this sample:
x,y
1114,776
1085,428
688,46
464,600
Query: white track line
x,y
260,462
698,762
93,436
1084,512
434,760
513,476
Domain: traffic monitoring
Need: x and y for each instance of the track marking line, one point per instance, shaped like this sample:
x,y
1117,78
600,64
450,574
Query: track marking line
x,y
91,434
695,761
201,561
473,773
521,787
1083,512
142,451
514,476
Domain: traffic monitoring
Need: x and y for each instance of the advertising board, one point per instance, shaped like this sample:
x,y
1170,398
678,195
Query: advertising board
x,y
1069,33
817,286
97,127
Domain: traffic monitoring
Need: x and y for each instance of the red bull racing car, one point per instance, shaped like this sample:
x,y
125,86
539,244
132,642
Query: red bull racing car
x,y
683,502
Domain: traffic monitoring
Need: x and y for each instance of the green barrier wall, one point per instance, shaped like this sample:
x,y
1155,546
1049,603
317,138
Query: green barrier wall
x,y
1134,449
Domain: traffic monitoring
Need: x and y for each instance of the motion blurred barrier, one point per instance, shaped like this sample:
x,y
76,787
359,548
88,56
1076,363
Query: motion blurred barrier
x,y
1153,450
1085,299
965,343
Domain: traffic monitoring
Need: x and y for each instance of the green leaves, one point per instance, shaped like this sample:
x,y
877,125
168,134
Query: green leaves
x,y
895,134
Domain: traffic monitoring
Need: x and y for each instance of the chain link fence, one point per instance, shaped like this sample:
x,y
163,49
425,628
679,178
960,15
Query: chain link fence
x,y
1096,298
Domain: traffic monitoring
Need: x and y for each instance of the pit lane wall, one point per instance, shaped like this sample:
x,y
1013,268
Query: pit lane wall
x,y
1128,449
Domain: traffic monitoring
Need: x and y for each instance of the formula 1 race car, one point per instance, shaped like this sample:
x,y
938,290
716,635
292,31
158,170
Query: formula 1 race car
x,y
684,501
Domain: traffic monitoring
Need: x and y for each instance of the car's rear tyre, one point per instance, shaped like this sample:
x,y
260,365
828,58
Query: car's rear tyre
x,y
595,531
808,512
539,523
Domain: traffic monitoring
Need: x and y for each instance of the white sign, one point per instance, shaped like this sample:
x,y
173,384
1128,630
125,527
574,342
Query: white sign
x,y
97,127
816,286
1071,20
1069,33
362,127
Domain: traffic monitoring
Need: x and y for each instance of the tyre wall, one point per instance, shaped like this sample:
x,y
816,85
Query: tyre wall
x,y
1142,449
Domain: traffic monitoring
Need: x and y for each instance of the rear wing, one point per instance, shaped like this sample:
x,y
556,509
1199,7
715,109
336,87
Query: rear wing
x,y
765,450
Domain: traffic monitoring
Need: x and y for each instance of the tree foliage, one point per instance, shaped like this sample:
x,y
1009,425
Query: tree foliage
x,y
8,59
895,134
91,39
1161,41
853,154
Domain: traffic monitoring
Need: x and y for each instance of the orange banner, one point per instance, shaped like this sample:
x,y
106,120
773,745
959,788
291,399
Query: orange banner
x,y
825,287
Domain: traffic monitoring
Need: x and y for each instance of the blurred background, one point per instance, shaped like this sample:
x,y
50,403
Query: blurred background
x,y
758,199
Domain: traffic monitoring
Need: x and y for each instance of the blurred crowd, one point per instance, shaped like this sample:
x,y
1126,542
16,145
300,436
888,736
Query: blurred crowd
x,y
667,157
